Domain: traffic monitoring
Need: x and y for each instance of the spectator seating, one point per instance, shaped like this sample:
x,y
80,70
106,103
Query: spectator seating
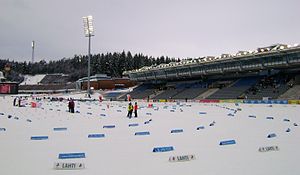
x,y
236,90
271,87
54,79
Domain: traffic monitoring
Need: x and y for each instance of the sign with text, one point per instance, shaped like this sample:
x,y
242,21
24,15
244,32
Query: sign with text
x,y
68,166
268,148
182,158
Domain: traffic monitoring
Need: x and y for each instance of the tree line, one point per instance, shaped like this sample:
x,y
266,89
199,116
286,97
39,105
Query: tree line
x,y
112,64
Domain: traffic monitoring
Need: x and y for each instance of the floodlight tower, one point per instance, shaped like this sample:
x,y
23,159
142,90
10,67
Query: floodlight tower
x,y
89,32
32,55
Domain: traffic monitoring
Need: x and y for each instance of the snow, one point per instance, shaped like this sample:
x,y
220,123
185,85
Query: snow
x,y
32,80
122,152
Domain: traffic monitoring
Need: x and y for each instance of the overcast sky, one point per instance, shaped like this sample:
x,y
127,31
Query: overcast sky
x,y
175,28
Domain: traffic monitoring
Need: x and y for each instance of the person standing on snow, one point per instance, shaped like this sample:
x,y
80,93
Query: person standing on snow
x,y
71,106
130,109
135,109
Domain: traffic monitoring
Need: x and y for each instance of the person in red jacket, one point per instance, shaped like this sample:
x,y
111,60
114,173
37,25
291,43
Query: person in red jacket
x,y
135,108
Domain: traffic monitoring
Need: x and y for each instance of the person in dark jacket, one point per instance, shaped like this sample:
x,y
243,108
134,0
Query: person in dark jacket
x,y
15,101
71,106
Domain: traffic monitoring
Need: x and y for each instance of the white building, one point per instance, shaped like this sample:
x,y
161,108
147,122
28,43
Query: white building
x,y
2,78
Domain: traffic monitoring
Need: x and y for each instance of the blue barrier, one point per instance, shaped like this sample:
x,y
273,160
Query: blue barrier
x,y
212,124
200,127
59,129
2,129
96,135
288,130
71,155
109,126
270,118
286,120
163,149
176,130
142,133
272,135
202,113
227,142
103,115
39,137
133,124
252,116
266,101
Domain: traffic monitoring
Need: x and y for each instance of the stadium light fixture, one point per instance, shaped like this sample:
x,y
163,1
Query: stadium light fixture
x,y
89,32
32,53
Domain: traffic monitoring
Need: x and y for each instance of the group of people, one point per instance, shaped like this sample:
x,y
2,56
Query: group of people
x,y
17,101
132,108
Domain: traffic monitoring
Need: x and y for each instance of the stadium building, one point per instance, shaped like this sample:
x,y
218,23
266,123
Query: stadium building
x,y
265,73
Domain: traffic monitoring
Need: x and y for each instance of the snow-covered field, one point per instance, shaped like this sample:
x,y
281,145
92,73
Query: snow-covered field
x,y
121,152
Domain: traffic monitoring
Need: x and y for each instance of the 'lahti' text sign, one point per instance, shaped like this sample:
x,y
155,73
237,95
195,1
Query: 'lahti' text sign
x,y
268,148
182,158
68,166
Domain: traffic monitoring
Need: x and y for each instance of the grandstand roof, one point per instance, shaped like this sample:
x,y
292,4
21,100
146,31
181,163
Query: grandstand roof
x,y
275,48
95,78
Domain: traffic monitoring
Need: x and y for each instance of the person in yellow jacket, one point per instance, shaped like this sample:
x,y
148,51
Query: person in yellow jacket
x,y
130,109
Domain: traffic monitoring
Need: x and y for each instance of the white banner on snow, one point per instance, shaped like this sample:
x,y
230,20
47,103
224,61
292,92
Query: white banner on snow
x,y
268,148
68,166
182,158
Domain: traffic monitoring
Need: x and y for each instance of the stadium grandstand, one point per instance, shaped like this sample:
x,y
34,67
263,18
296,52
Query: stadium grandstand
x,y
49,83
265,73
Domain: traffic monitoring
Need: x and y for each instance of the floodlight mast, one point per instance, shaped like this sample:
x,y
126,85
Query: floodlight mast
x,y
32,54
89,32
